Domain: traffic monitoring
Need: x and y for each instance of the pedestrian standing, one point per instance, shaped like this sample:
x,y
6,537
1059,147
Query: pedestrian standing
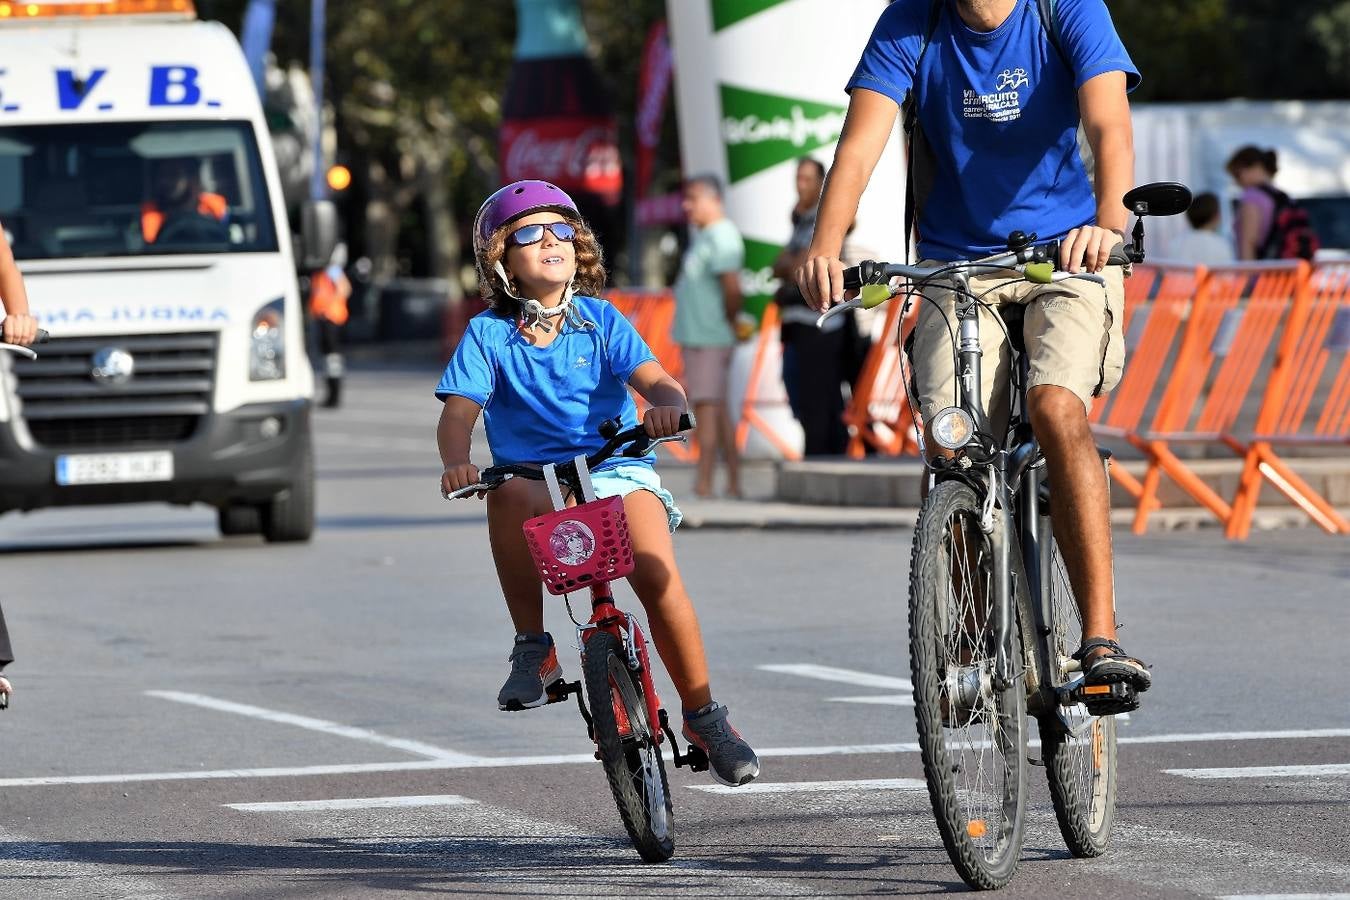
x,y
707,301
329,290
18,328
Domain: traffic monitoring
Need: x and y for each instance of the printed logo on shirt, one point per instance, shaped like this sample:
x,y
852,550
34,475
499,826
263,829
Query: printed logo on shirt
x,y
581,363
1004,104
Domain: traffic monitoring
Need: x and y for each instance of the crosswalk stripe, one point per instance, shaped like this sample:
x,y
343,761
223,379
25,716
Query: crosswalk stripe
x,y
1264,771
795,787
354,803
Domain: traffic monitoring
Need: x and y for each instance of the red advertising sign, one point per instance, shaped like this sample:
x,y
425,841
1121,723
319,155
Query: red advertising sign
x,y
653,86
574,152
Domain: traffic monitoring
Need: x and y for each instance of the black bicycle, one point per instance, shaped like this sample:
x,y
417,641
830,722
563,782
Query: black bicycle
x,y
993,621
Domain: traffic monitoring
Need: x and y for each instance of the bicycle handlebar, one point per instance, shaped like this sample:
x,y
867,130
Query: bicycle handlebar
x,y
636,437
21,350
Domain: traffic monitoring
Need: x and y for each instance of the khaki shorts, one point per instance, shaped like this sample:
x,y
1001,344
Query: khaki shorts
x,y
705,373
1072,331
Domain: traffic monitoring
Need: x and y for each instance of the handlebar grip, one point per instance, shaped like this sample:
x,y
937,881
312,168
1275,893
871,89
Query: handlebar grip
x,y
852,278
42,336
1120,256
688,422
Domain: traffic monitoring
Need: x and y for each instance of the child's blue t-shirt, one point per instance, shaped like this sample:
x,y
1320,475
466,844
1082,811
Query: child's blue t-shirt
x,y
1001,110
545,404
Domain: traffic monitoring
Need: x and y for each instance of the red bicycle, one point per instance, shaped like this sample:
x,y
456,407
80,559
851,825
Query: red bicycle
x,y
585,547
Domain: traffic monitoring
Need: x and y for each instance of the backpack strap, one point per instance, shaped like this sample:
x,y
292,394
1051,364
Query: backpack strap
x,y
909,117
1270,246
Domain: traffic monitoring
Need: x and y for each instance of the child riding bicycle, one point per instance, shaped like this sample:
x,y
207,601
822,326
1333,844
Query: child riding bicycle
x,y
546,364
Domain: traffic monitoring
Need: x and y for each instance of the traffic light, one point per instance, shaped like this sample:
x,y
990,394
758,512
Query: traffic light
x,y
339,178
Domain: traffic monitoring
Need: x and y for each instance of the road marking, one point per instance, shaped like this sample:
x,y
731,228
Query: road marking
x,y
464,761
322,725
1285,897
1263,772
794,787
878,699
334,440
354,803
846,676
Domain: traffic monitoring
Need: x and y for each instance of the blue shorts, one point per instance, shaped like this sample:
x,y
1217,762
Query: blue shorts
x,y
621,481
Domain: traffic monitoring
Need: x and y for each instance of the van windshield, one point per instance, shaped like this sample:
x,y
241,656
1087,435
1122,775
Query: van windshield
x,y
133,189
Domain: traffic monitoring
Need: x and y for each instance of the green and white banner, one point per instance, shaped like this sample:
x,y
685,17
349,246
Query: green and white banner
x,y
760,84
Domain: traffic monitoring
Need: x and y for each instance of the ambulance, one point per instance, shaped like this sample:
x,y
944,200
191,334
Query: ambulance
x,y
140,195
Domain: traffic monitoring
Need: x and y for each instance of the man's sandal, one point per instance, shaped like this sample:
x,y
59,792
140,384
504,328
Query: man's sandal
x,y
1116,667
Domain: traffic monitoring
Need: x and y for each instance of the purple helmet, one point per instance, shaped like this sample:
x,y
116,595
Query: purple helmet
x,y
513,201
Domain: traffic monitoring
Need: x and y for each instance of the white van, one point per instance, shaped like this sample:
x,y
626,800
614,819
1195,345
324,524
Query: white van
x,y
139,192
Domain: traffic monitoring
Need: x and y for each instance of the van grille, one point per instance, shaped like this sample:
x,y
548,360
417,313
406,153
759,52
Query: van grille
x,y
162,402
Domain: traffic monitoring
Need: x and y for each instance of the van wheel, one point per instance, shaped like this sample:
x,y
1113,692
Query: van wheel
x,y
239,519
290,515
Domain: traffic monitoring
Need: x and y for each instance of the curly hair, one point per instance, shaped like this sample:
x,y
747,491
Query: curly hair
x,y
589,280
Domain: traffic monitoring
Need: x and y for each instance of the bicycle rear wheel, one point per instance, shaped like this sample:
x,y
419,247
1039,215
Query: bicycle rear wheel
x,y
628,749
972,735
1080,749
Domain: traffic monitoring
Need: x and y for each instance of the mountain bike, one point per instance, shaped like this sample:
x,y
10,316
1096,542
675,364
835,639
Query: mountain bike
x,y
6,654
585,547
993,620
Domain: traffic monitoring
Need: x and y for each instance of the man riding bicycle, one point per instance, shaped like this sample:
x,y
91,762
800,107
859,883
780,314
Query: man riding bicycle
x,y
998,90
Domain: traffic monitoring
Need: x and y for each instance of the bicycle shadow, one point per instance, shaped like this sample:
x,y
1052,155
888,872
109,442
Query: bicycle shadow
x,y
477,865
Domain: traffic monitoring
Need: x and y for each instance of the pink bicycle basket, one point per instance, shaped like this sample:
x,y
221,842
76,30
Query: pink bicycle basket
x,y
582,546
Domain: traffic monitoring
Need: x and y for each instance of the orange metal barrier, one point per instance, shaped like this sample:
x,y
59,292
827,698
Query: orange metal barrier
x,y
767,341
652,314
879,415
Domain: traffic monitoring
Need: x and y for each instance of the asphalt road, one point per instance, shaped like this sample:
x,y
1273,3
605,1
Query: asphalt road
x,y
175,691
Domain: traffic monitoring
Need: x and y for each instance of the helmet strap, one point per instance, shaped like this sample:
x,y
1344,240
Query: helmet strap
x,y
534,314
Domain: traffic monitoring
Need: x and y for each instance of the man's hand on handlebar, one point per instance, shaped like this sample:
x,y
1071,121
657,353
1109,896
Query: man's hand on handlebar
x,y
19,329
458,477
1087,249
662,421
821,281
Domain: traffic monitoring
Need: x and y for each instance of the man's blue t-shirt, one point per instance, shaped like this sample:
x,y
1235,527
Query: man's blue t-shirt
x,y
545,404
1000,109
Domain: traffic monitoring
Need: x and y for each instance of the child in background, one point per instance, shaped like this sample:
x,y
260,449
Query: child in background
x,y
1203,245
19,328
546,364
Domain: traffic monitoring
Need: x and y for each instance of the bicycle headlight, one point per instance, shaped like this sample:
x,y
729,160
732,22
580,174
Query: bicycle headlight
x,y
267,343
952,428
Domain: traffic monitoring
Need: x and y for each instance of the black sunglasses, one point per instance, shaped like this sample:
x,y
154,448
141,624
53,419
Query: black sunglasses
x,y
533,234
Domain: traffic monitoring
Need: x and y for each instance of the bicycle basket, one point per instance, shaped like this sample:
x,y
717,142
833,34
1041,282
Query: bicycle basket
x,y
578,547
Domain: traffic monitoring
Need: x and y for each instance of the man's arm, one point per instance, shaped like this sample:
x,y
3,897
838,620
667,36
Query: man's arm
x,y
1105,110
730,283
867,128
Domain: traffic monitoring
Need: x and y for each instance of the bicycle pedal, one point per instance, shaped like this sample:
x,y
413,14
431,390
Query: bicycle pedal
x,y
1107,699
559,691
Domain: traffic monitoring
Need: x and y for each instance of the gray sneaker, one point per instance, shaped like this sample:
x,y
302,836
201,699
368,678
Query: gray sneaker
x,y
534,668
730,759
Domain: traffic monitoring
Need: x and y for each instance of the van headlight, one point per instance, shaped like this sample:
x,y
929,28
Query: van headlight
x,y
952,428
267,343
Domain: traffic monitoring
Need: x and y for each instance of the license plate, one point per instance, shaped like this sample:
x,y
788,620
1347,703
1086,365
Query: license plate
x,y
114,468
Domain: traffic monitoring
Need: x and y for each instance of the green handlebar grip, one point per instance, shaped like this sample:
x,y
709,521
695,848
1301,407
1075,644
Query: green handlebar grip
x,y
1040,273
873,295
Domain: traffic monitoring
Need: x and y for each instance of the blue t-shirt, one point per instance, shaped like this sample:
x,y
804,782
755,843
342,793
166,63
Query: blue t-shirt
x,y
1001,112
545,404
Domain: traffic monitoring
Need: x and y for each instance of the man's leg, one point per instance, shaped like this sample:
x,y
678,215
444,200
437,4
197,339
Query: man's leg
x,y
706,431
1080,508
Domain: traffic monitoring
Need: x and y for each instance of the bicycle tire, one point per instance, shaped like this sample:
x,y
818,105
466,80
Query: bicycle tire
x,y
984,853
1079,750
629,761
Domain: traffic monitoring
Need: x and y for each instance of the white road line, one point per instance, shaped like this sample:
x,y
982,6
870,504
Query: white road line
x,y
846,676
357,734
795,787
464,761
354,803
1285,897
1263,772
878,699
330,441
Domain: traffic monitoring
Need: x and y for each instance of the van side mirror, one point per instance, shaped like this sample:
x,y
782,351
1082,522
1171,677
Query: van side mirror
x,y
318,234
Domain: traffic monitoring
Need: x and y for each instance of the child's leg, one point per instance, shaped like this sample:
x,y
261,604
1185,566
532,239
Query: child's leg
x,y
508,508
670,614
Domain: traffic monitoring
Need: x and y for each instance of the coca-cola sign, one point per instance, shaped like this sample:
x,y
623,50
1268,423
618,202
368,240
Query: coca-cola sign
x,y
574,153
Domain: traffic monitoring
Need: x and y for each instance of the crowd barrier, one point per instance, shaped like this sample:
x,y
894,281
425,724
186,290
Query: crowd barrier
x,y
1252,357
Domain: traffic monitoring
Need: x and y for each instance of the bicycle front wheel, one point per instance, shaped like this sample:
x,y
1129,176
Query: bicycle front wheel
x,y
628,749
1080,749
972,734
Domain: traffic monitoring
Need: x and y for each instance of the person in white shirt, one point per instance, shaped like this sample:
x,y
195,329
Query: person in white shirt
x,y
1203,244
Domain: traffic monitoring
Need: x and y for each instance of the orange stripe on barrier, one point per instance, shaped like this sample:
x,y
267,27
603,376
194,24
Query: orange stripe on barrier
x,y
768,341
652,313
879,415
